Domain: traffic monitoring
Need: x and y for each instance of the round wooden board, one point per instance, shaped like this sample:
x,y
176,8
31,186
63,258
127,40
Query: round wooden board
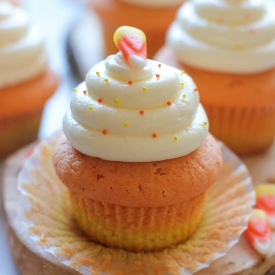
x,y
32,259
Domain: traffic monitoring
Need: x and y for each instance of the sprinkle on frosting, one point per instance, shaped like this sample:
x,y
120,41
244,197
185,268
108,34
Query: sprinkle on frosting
x,y
154,135
181,84
141,112
144,89
175,138
106,80
126,123
159,65
132,43
168,103
195,89
104,132
84,92
99,100
117,101
157,76
98,73
75,90
130,82
90,108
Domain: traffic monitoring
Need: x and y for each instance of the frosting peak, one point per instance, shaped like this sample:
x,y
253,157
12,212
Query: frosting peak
x,y
22,54
235,36
123,113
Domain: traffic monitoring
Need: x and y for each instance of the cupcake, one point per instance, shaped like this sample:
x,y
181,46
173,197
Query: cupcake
x,y
26,82
227,47
154,17
136,155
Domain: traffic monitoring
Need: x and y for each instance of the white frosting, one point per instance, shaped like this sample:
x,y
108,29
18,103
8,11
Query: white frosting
x,y
180,127
154,3
235,36
22,53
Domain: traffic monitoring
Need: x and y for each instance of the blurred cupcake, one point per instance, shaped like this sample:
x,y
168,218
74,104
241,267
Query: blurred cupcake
x,y
153,17
228,48
137,157
26,82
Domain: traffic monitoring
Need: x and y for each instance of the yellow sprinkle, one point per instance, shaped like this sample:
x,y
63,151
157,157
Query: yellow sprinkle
x,y
90,108
181,84
75,90
144,89
126,124
184,96
106,80
97,73
205,123
182,72
233,25
209,21
116,101
238,47
175,138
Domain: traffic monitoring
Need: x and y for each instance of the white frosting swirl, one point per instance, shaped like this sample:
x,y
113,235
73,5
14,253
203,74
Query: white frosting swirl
x,y
235,36
22,53
180,127
154,3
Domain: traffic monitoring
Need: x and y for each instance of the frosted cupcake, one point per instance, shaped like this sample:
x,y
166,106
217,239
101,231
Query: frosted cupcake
x,y
228,49
26,82
154,17
136,155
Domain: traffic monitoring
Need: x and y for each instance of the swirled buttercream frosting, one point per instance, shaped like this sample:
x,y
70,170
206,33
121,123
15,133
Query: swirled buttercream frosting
x,y
235,36
135,115
22,53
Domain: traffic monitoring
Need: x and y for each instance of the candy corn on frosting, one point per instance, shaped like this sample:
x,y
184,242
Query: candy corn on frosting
x,y
136,156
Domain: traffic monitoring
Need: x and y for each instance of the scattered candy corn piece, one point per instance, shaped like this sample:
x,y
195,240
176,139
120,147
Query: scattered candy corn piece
x,y
265,200
258,232
132,43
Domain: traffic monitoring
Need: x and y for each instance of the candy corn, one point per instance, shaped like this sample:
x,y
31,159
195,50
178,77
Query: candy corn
x,y
265,200
258,232
132,44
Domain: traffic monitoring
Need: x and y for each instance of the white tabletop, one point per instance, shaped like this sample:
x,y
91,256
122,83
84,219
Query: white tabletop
x,y
55,18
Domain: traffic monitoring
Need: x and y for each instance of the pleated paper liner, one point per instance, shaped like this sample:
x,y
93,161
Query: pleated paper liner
x,y
46,212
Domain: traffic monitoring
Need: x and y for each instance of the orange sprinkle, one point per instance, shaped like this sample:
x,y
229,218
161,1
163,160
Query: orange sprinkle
x,y
99,100
157,75
159,65
168,103
195,89
141,112
154,135
104,132
84,92
130,82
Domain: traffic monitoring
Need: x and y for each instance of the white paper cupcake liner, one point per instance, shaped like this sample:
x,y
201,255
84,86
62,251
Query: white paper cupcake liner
x,y
46,212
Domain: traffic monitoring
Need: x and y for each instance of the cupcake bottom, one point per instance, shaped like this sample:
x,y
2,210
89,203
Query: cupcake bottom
x,y
137,228
152,21
18,131
240,108
21,109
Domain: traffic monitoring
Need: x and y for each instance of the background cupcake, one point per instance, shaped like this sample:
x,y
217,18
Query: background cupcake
x,y
153,17
228,49
26,82
137,157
